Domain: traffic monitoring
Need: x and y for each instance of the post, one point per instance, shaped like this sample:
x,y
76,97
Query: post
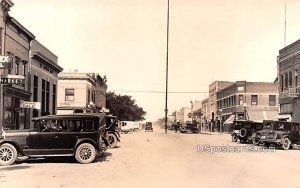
x,y
167,62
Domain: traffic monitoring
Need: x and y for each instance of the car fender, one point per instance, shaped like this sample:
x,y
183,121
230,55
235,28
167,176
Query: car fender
x,y
86,140
16,145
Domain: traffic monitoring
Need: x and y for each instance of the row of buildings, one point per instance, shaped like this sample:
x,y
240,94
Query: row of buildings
x,y
227,101
32,82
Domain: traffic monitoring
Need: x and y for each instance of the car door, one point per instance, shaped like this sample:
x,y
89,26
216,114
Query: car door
x,y
46,140
294,133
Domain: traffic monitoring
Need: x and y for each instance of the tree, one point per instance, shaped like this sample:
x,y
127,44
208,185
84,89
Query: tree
x,y
124,107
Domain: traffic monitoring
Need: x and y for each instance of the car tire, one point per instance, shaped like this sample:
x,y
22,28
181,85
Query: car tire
x,y
112,139
8,154
85,153
255,141
234,138
243,132
286,143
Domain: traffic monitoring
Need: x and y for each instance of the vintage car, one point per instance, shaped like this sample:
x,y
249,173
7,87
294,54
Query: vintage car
x,y
244,130
79,135
279,133
189,128
148,126
112,131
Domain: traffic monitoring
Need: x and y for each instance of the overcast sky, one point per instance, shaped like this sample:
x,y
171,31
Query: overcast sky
x,y
126,40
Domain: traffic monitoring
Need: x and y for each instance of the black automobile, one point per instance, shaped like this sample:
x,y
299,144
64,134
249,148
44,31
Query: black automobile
x,y
245,130
149,127
79,135
112,131
279,133
189,128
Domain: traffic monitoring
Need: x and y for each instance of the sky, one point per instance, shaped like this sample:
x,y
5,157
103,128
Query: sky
x,y
126,40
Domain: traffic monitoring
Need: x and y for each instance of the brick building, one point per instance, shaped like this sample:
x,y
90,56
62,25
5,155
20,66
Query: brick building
x,y
288,63
247,100
16,44
81,92
44,78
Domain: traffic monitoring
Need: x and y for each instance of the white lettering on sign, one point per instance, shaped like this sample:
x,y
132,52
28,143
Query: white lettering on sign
x,y
12,81
5,59
28,104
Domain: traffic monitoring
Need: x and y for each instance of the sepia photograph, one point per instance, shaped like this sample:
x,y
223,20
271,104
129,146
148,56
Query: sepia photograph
x,y
149,93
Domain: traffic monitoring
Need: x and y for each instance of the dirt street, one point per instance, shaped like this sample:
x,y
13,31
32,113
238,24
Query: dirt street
x,y
146,159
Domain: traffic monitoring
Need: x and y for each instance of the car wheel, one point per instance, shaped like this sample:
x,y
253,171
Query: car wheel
x,y
243,132
8,154
286,144
85,153
255,141
112,139
234,138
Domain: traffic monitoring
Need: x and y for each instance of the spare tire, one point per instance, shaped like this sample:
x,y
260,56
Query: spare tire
x,y
243,132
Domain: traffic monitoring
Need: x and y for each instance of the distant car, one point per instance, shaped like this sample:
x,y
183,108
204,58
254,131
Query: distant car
x,y
79,135
189,128
244,130
279,133
149,126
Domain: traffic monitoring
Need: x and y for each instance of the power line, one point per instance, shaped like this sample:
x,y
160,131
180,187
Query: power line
x,y
145,91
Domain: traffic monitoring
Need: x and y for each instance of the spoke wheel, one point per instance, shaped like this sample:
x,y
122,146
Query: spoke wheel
x,y
286,144
8,154
112,139
85,153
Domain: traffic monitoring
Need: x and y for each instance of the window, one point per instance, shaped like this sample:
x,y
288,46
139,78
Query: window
x,y
254,99
282,82
296,77
43,97
35,88
286,80
24,67
17,68
47,97
69,94
241,99
54,99
272,100
290,79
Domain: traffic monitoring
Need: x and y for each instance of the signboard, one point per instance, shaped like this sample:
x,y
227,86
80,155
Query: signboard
x,y
5,62
28,104
12,81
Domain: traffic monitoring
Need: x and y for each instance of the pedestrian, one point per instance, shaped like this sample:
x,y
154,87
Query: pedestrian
x,y
176,127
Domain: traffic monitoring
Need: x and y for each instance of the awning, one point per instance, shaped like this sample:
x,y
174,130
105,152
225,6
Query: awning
x,y
230,120
262,115
284,117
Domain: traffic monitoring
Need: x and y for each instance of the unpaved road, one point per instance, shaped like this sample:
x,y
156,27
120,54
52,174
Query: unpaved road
x,y
159,160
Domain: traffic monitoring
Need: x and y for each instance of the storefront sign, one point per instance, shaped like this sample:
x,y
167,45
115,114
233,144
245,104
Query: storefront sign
x,y
12,81
28,104
5,62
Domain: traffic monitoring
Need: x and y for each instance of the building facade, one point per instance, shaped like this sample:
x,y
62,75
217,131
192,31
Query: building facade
x,y
205,110
81,92
44,71
288,64
212,99
15,42
247,100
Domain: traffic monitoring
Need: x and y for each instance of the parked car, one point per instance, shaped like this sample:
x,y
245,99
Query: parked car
x,y
112,131
189,128
279,133
125,127
244,130
79,135
148,126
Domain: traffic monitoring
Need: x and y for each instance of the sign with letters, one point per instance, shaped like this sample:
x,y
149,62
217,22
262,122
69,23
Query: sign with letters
x,y
5,62
28,104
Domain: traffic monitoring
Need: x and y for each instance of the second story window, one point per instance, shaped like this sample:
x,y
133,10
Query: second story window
x,y
241,99
254,99
69,94
272,100
290,79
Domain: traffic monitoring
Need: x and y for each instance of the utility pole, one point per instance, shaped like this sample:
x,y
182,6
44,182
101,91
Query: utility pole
x,y
167,62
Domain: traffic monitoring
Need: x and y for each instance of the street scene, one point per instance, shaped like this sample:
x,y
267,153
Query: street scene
x,y
153,159
160,93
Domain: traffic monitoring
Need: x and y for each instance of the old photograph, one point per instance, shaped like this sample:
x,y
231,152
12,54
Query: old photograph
x,y
149,93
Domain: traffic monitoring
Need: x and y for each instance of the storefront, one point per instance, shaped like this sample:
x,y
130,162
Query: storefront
x,y
15,117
